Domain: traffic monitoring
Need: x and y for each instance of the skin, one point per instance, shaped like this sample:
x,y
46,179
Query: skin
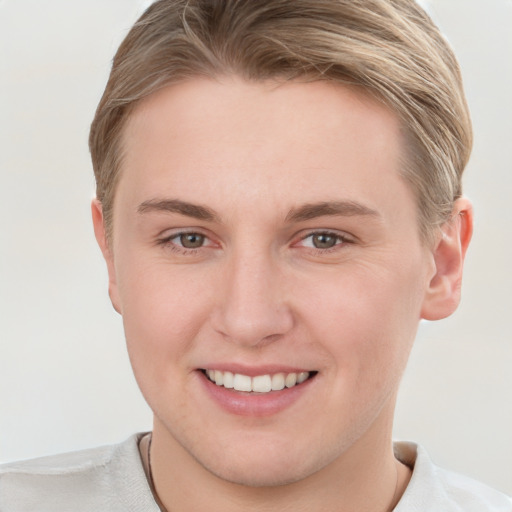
x,y
259,292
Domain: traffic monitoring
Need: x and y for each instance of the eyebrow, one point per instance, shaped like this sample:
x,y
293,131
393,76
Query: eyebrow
x,y
329,208
300,214
176,206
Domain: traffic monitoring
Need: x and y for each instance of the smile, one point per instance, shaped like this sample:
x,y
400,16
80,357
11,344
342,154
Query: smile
x,y
258,383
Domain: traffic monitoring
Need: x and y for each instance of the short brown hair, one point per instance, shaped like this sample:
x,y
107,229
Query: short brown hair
x,y
390,48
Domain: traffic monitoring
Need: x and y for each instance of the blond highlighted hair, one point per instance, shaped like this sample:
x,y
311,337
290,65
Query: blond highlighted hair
x,y
389,48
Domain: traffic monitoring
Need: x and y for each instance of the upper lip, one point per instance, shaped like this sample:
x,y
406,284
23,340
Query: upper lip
x,y
253,371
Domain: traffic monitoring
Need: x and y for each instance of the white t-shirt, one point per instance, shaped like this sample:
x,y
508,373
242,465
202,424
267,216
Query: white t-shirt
x,y
112,479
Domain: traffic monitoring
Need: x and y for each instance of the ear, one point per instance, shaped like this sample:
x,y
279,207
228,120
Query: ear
x,y
102,239
443,292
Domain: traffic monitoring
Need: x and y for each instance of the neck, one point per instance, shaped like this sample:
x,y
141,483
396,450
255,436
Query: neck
x,y
366,478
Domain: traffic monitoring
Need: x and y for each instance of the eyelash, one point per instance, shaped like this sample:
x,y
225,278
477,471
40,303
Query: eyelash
x,y
341,240
167,242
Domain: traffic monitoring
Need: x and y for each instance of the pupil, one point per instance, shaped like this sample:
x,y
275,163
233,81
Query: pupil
x,y
192,240
324,241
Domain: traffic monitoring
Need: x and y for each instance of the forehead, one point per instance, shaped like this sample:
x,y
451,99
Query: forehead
x,y
254,107
293,141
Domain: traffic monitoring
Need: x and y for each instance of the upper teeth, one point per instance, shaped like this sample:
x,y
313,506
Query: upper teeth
x,y
260,383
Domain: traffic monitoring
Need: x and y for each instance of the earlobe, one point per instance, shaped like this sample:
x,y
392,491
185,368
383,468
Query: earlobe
x,y
103,242
443,293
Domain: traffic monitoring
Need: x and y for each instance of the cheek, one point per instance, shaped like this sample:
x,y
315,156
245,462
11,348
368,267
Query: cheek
x,y
162,314
367,319
364,322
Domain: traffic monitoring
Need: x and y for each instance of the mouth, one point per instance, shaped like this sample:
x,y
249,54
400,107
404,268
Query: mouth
x,y
259,383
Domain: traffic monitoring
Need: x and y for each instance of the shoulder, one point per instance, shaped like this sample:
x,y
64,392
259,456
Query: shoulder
x,y
104,478
465,490
433,489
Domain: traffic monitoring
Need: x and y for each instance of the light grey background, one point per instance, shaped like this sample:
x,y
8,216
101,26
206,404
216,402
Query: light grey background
x,y
65,380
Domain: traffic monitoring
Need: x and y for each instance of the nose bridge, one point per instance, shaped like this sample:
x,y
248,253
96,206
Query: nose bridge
x,y
253,308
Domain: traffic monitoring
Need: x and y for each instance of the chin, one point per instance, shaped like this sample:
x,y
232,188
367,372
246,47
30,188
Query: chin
x,y
263,467
254,475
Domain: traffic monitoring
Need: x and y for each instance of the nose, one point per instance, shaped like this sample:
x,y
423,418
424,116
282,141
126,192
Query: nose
x,y
252,307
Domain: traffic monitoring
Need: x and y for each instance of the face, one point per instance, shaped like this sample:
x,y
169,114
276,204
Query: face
x,y
263,236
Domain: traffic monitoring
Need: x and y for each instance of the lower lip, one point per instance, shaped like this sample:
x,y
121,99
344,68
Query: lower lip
x,y
254,404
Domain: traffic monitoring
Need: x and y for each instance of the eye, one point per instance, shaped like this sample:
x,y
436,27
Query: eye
x,y
186,242
189,240
323,240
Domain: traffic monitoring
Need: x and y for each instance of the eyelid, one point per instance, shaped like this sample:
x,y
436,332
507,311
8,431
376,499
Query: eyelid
x,y
343,237
167,237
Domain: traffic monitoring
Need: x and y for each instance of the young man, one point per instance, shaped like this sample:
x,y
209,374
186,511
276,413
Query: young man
x,y
279,204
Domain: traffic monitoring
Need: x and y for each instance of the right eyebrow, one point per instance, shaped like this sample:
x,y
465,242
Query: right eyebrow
x,y
330,208
177,206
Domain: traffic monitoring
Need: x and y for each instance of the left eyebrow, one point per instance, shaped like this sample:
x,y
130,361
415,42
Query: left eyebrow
x,y
329,208
176,206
